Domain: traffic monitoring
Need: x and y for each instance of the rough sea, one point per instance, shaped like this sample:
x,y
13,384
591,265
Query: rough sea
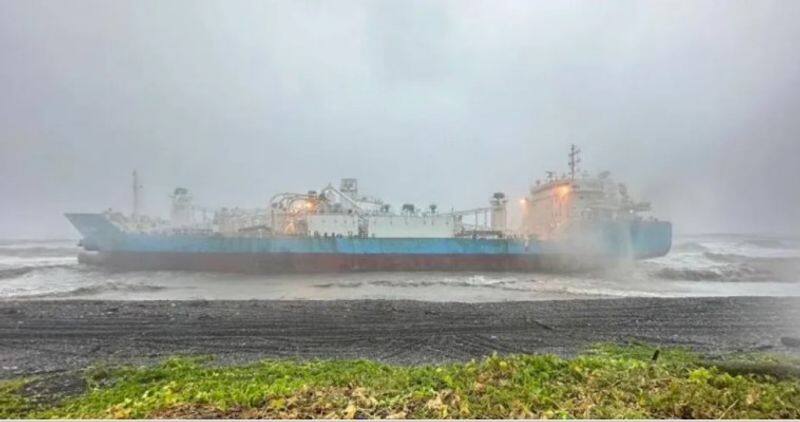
x,y
702,265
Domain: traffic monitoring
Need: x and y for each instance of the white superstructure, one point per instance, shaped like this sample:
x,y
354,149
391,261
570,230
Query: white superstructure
x,y
561,203
345,212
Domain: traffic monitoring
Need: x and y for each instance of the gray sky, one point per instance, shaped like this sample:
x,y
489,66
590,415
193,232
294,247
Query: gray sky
x,y
694,104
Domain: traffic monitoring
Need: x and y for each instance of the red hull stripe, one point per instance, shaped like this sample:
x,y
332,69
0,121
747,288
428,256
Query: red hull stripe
x,y
294,262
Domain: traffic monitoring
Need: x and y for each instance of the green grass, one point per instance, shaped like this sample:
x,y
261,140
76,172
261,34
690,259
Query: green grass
x,y
606,382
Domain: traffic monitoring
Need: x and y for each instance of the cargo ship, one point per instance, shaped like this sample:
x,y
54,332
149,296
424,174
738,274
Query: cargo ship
x,y
571,222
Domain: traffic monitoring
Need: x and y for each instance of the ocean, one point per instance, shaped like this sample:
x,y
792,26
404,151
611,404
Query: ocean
x,y
699,265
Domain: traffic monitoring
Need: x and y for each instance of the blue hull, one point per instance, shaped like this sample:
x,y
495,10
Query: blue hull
x,y
596,246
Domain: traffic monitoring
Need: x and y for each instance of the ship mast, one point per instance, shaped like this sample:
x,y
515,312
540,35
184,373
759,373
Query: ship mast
x,y
574,160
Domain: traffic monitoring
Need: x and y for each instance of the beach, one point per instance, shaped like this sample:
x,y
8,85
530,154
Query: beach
x,y
46,336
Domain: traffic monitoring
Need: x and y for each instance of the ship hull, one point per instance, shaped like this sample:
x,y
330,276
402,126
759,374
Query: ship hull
x,y
597,246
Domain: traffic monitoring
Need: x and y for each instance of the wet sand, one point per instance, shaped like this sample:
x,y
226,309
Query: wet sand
x,y
56,336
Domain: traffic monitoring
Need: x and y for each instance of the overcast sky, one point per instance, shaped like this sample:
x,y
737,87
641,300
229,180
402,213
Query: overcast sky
x,y
695,104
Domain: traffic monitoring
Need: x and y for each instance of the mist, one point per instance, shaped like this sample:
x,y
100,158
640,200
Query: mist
x,y
693,104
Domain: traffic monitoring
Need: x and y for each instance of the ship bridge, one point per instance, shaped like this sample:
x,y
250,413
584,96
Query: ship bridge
x,y
561,203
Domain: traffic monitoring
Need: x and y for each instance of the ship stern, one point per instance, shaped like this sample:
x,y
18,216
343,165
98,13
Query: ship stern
x,y
651,239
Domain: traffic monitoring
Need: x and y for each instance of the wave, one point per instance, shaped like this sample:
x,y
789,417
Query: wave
x,y
38,251
689,247
738,258
772,269
343,285
96,289
7,273
729,257
15,272
769,243
689,274
594,292
471,282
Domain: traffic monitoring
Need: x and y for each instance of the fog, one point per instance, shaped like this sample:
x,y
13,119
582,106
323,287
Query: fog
x,y
694,104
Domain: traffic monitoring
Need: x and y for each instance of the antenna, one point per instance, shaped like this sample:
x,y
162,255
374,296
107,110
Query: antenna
x,y
136,188
574,160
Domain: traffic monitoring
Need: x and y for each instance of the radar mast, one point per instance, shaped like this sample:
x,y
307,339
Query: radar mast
x,y
574,160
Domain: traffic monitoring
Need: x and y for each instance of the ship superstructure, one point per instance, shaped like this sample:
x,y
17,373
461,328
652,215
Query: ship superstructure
x,y
568,222
343,212
560,206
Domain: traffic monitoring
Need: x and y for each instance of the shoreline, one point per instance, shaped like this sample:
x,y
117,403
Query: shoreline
x,y
51,336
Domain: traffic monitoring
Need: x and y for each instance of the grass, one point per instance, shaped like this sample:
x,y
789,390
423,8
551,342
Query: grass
x,y
605,382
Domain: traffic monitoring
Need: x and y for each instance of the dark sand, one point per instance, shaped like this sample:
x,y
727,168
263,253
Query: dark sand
x,y
57,336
